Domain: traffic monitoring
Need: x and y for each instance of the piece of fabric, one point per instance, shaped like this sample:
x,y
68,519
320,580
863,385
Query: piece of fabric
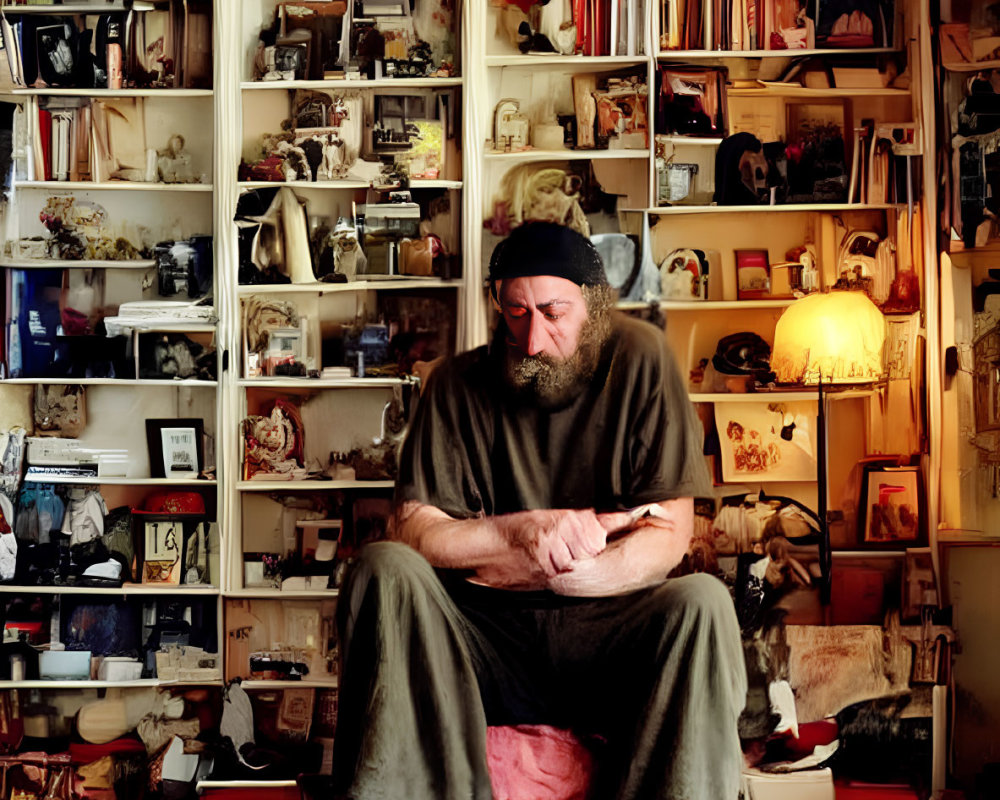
x,y
84,517
657,674
537,761
631,439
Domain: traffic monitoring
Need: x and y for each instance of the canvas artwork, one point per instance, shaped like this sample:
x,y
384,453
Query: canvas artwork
x,y
891,505
767,441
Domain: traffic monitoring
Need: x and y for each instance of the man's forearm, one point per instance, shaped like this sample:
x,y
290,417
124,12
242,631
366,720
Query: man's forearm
x,y
515,551
642,557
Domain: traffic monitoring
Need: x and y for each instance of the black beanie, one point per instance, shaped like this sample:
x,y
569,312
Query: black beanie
x,y
546,248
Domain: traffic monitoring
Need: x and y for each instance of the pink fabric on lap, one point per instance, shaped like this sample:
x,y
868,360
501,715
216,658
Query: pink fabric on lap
x,y
537,762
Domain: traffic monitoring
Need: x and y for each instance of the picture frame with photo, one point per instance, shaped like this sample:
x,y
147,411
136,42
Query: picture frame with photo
x,y
892,507
753,275
159,547
176,447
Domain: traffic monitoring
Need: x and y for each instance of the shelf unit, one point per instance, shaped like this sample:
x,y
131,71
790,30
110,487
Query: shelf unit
x,y
479,174
117,407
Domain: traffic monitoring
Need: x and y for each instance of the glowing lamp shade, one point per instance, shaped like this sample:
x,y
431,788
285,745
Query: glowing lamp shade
x,y
836,337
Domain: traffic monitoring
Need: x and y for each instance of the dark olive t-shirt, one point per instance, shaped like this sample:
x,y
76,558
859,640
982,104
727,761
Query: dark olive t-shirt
x,y
630,438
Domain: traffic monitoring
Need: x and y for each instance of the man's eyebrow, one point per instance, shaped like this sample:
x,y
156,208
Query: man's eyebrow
x,y
553,302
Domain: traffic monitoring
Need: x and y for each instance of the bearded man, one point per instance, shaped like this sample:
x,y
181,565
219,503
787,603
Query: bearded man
x,y
545,492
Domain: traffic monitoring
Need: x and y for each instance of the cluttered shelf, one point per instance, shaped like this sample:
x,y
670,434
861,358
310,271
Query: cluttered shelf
x,y
64,8
124,589
785,90
52,91
413,184
542,59
787,207
320,383
309,485
563,155
65,263
829,393
381,83
135,186
129,382
797,53
87,684
263,685
280,594
362,285
705,305
97,480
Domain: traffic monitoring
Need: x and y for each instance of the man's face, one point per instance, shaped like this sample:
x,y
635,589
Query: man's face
x,y
553,340
544,315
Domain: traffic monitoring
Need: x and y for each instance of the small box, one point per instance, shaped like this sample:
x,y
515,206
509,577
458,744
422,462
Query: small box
x,y
64,665
119,668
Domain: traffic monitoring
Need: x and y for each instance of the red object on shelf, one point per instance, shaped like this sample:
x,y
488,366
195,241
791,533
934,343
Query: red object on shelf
x,y
873,791
253,793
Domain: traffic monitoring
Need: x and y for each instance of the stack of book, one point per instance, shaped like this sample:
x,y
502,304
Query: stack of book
x,y
151,44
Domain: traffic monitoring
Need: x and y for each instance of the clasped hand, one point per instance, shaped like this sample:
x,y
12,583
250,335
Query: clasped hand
x,y
557,539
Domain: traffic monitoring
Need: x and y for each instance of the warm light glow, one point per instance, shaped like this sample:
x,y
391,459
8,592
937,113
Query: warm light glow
x,y
837,336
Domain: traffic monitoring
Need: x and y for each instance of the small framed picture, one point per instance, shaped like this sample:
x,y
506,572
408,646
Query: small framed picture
x,y
891,507
753,275
176,449
162,549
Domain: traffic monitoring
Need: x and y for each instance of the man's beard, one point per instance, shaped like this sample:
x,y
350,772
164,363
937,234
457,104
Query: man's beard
x,y
550,382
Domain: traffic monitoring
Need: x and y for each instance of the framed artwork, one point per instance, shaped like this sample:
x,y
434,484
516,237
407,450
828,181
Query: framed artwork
x,y
767,441
753,275
161,546
891,506
176,449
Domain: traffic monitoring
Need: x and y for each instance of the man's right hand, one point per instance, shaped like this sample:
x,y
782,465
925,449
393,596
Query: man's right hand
x,y
554,539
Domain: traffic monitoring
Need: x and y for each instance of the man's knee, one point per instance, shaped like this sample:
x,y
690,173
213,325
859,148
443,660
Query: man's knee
x,y
390,559
698,594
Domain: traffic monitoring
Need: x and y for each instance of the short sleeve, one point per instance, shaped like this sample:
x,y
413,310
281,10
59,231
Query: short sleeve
x,y
444,461
666,442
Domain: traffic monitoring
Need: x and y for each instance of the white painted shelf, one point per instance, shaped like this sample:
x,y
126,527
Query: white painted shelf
x,y
772,90
99,481
783,208
829,393
543,59
706,305
65,8
131,383
57,92
350,286
134,186
138,684
325,683
124,589
62,263
685,54
320,383
202,785
342,185
571,155
279,594
340,85
309,486
705,141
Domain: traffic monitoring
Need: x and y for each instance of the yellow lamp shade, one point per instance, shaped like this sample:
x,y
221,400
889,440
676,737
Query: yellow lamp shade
x,y
836,337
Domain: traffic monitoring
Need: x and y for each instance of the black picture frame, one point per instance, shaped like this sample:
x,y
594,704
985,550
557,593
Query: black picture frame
x,y
154,445
892,507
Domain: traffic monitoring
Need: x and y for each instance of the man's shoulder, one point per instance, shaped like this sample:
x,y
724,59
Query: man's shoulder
x,y
636,339
468,368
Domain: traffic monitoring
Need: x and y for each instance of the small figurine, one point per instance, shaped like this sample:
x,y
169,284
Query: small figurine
x,y
510,127
173,163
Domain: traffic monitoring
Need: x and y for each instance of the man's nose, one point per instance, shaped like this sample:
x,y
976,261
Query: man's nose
x,y
538,338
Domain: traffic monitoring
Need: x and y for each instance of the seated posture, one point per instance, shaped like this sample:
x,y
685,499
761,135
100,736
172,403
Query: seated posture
x,y
544,494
